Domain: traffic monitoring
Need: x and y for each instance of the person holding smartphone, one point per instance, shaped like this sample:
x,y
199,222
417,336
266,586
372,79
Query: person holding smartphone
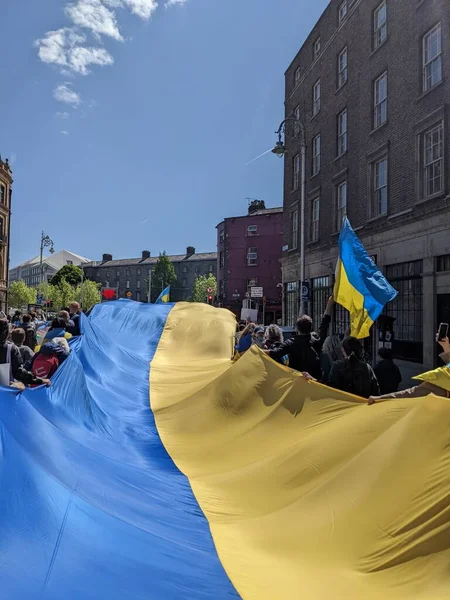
x,y
440,378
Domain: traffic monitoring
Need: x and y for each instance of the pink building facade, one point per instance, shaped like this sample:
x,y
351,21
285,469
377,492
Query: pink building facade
x,y
248,256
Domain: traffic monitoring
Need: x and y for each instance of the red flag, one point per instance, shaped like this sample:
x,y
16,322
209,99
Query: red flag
x,y
108,294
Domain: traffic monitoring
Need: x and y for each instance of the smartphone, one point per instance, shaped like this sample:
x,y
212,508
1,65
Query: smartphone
x,y
443,331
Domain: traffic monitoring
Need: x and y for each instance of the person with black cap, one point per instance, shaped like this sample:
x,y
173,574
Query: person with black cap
x,y
10,354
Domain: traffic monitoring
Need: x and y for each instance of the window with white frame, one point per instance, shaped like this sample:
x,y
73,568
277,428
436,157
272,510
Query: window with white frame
x,y
315,213
184,282
297,74
138,284
221,236
341,204
293,230
316,155
342,132
433,167
432,58
380,88
380,187
343,9
138,296
316,98
252,230
128,285
379,25
296,172
221,260
252,256
117,273
342,67
316,48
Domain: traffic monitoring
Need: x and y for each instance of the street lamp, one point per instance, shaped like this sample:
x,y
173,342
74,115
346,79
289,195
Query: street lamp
x,y
46,242
280,150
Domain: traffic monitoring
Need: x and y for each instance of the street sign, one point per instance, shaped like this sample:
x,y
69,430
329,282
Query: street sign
x,y
129,294
305,291
256,292
39,299
210,290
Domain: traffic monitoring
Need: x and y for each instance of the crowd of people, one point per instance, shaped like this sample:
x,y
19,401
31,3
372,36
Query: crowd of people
x,y
33,362
337,361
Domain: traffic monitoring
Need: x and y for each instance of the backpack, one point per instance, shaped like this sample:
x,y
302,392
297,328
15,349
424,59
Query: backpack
x,y
45,365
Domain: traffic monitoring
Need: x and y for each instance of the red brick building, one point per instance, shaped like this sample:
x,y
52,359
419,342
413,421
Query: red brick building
x,y
248,256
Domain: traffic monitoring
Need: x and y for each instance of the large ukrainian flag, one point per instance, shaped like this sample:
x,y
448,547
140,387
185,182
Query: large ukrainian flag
x,y
360,286
233,480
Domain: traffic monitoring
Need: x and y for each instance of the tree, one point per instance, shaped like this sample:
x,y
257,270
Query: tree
x,y
202,284
88,294
19,294
67,293
52,293
163,274
72,274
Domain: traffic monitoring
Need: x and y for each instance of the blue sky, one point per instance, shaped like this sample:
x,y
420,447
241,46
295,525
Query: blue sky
x,y
148,150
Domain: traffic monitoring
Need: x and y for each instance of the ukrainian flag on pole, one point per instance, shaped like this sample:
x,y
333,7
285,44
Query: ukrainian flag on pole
x,y
164,296
360,286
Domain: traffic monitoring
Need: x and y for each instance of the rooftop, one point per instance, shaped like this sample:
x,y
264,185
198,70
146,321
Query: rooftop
x,y
57,261
128,262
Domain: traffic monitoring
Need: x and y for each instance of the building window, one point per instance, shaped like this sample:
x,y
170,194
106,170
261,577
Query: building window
x,y
315,210
138,284
316,48
252,230
316,155
211,268
296,172
343,9
221,260
380,100
407,309
252,256
69,262
297,75
380,187
443,263
117,273
108,274
341,204
434,161
296,128
342,67
107,284
316,98
252,283
138,296
321,290
342,132
128,285
293,230
291,303
185,269
432,58
221,236
379,25
184,282
2,194
138,272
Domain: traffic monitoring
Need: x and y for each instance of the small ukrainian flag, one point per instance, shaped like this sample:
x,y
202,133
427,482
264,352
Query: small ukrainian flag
x,y
164,296
360,286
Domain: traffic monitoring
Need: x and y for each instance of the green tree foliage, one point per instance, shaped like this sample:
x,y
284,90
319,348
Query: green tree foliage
x,y
163,274
53,293
67,293
72,274
88,294
19,294
201,285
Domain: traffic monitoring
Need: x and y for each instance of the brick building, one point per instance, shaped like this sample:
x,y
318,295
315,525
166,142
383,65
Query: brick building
x,y
132,274
5,218
371,85
249,252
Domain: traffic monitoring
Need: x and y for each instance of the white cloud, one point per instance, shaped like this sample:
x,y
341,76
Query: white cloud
x,y
175,2
63,93
64,132
142,8
93,15
63,47
62,115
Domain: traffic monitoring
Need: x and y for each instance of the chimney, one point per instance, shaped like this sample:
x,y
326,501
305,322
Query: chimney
x,y
190,251
145,254
107,257
256,205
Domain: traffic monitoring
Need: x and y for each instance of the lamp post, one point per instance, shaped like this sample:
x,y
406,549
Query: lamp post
x,y
46,242
280,150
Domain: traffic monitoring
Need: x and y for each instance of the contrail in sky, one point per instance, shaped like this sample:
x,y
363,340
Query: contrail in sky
x,y
144,221
253,159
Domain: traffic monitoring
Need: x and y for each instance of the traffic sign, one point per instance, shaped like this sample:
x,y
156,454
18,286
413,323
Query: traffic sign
x,y
129,294
39,299
305,291
256,292
210,290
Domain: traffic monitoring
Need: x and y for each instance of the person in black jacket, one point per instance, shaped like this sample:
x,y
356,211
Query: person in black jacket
x,y
11,352
74,327
353,374
387,372
304,349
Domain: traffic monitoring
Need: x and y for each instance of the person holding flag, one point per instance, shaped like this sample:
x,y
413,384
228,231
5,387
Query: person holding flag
x,y
164,296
